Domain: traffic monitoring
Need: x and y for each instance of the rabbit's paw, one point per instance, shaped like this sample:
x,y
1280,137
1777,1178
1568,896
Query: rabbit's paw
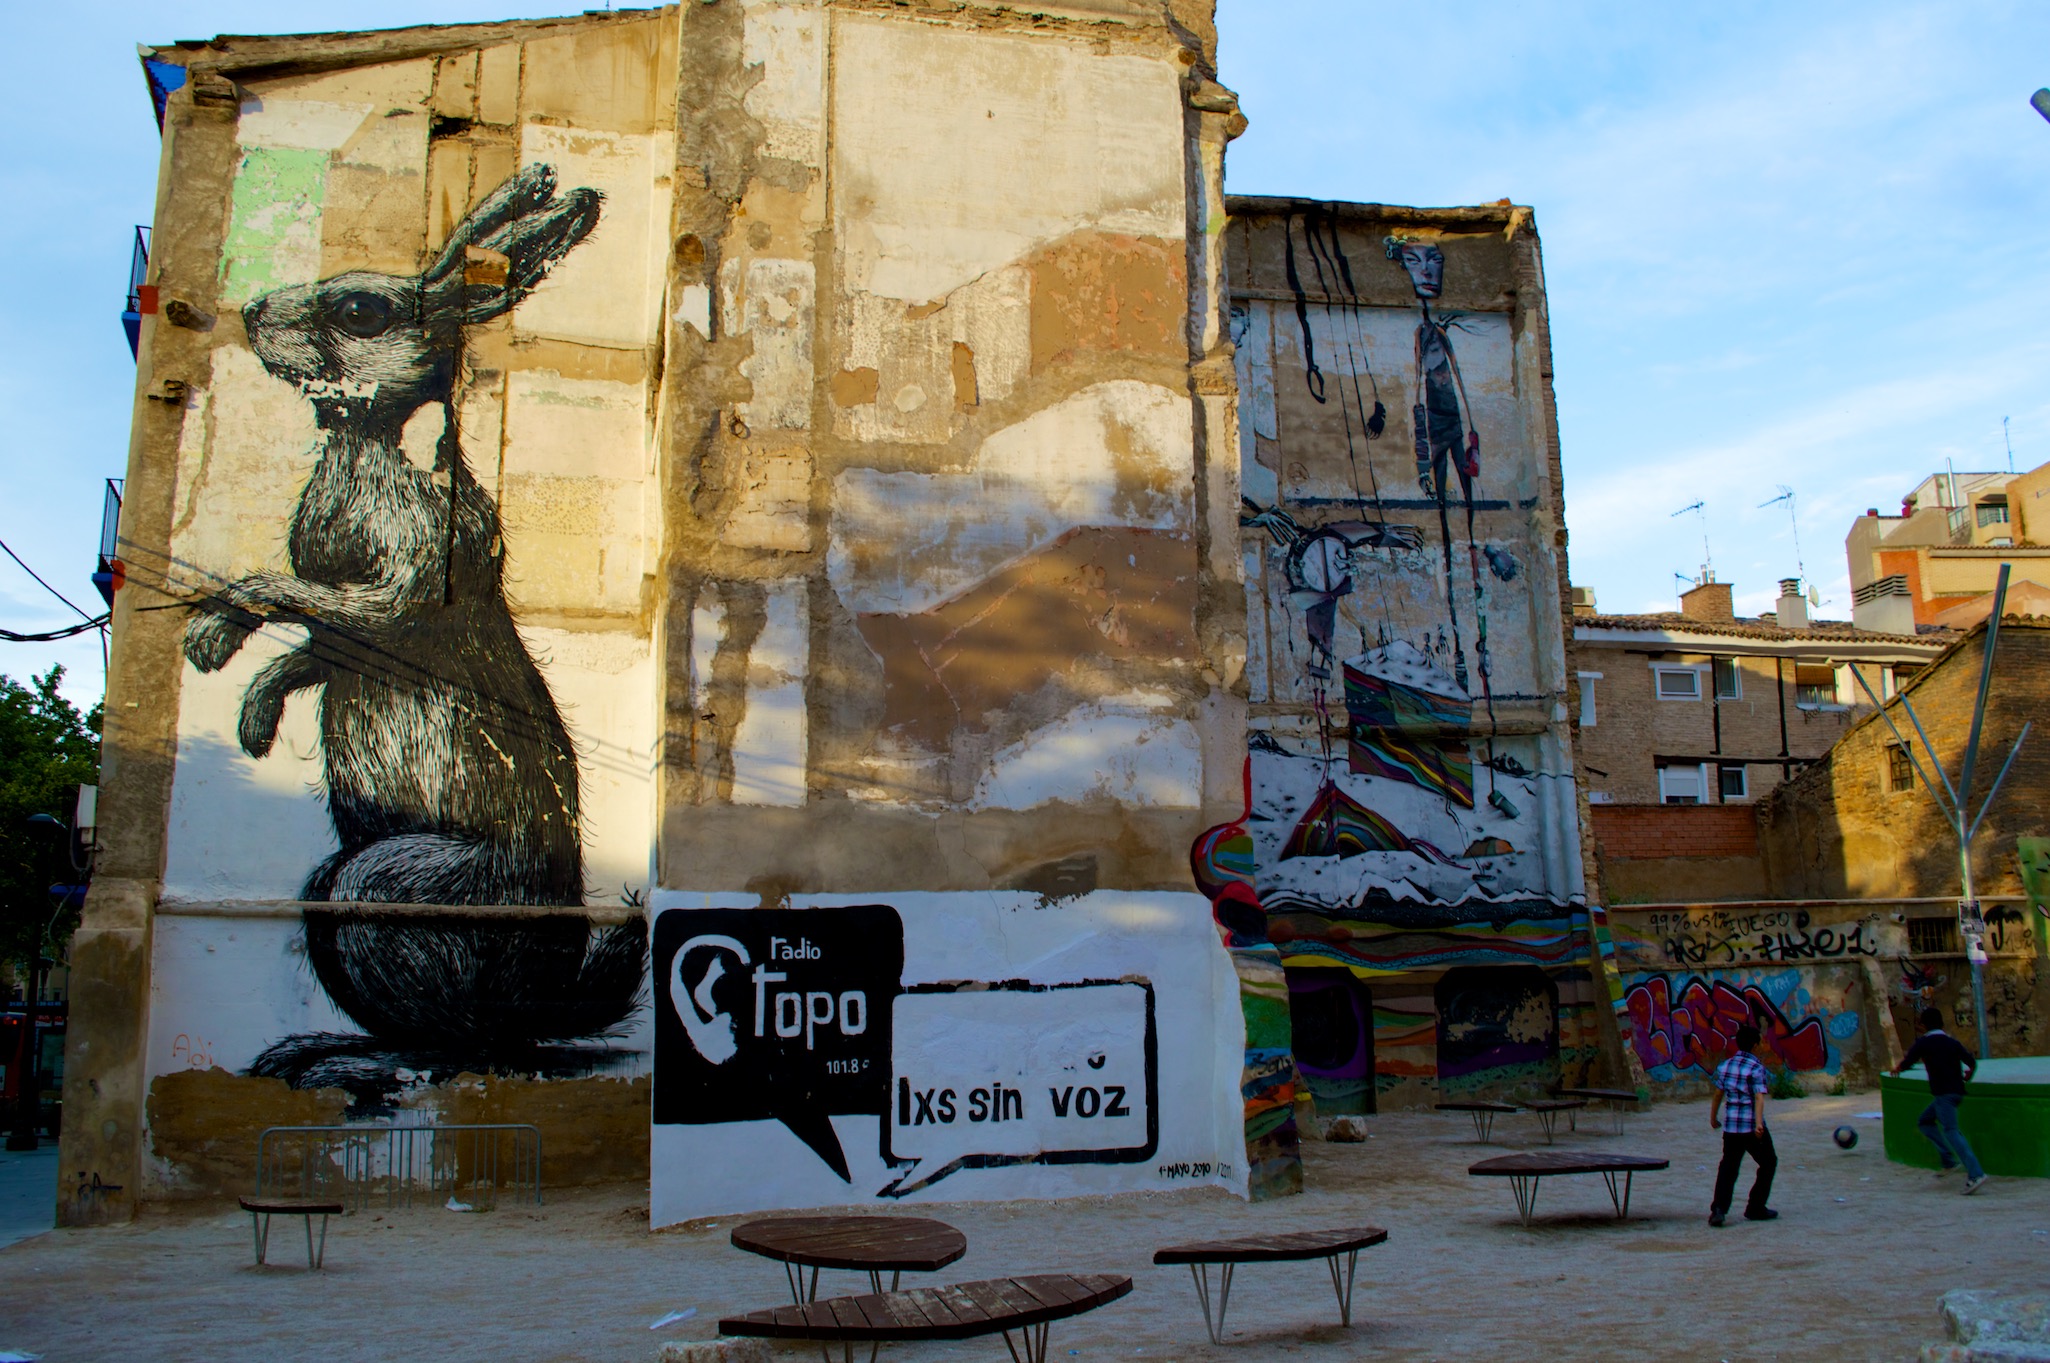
x,y
262,711
213,638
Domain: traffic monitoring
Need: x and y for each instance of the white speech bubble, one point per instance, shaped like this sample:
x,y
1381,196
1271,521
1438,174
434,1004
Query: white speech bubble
x,y
1012,1075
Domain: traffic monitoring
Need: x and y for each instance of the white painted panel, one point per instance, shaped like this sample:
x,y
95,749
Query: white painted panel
x,y
769,752
1164,939
1127,751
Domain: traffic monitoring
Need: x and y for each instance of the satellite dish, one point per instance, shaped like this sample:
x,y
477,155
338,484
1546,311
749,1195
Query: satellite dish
x,y
1815,596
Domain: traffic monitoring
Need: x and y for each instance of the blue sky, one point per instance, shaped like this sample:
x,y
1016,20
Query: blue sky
x,y
1786,244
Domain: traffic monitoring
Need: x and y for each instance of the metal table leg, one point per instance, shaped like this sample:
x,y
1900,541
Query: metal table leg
x,y
1525,1187
1031,1345
1344,1290
1483,1125
1213,1325
1622,1203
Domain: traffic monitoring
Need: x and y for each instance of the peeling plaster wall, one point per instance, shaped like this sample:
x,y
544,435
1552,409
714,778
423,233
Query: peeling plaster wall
x,y
938,620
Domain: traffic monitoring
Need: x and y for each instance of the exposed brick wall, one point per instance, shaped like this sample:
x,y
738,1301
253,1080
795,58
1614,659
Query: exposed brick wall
x,y
1838,831
1663,832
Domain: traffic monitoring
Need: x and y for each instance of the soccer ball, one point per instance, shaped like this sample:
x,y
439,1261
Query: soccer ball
x,y
1846,1137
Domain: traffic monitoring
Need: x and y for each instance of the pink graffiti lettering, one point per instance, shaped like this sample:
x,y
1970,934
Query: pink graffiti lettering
x,y
1698,1030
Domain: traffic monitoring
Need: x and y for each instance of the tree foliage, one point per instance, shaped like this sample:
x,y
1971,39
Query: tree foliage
x,y
47,750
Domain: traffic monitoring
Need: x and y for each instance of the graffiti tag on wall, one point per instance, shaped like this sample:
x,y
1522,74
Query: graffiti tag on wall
x,y
1692,1023
1711,937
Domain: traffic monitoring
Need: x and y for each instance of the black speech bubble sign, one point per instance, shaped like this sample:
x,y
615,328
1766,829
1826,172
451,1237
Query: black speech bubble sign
x,y
780,1014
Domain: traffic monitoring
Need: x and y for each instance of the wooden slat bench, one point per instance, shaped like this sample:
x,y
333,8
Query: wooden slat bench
x,y
262,1209
1288,1246
1483,1115
1025,1306
1525,1170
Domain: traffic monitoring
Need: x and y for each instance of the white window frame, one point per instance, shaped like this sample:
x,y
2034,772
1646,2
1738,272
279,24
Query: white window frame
x,y
1659,671
1700,791
1736,680
1587,698
1743,775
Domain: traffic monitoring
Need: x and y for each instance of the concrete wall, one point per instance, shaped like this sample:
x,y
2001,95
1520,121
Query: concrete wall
x,y
1413,835
666,458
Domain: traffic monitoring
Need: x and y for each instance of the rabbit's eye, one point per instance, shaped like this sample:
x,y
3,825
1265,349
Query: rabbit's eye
x,y
362,314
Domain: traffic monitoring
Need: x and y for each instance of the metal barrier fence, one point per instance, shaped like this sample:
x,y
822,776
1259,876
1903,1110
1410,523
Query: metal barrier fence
x,y
350,1164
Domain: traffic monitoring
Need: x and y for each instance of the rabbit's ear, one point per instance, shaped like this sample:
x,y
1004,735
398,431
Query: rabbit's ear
x,y
522,221
524,193
531,245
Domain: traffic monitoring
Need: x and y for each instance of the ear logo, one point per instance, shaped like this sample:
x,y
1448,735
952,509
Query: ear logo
x,y
710,1031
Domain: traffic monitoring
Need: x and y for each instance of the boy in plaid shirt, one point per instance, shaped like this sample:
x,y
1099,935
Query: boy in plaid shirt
x,y
1738,1111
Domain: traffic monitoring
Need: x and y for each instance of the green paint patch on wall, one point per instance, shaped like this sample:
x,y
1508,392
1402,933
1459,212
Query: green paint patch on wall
x,y
273,222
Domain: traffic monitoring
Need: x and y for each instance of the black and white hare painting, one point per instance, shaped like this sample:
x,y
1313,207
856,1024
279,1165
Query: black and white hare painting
x,y
448,773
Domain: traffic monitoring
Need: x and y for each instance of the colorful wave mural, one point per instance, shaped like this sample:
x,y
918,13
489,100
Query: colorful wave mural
x,y
1336,825
1444,767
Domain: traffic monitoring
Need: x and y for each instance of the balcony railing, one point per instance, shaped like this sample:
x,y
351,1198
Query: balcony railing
x,y
110,572
142,297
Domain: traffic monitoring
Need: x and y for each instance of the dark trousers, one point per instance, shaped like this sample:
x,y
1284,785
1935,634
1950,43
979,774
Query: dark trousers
x,y
1758,1145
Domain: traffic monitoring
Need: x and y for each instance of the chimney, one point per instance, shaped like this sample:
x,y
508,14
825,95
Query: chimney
x,y
1793,607
1709,601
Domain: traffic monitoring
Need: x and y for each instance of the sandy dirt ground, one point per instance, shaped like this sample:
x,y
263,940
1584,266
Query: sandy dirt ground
x,y
1852,1270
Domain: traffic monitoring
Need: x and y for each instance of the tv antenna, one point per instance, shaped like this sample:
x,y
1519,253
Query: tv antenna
x,y
1787,496
1707,564
2004,435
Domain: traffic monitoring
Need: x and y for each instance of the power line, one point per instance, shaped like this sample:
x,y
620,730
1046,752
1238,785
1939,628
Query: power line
x,y
39,578
51,636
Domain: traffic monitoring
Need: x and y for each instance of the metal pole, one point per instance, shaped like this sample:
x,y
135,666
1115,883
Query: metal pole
x,y
1975,950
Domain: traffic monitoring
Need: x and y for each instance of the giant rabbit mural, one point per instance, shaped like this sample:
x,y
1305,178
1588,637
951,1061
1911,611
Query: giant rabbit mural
x,y
449,775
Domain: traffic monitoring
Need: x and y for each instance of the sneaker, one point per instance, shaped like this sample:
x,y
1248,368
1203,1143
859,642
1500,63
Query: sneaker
x,y
1715,1218
1762,1214
1973,1185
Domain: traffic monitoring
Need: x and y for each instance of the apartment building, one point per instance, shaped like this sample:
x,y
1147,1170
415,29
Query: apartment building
x,y
1930,564
1702,707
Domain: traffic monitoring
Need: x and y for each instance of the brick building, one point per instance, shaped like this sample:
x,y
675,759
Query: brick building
x,y
1701,707
1686,719
1859,824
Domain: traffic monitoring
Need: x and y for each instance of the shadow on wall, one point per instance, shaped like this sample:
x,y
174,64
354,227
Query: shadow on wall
x,y
1331,1029
1498,1030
